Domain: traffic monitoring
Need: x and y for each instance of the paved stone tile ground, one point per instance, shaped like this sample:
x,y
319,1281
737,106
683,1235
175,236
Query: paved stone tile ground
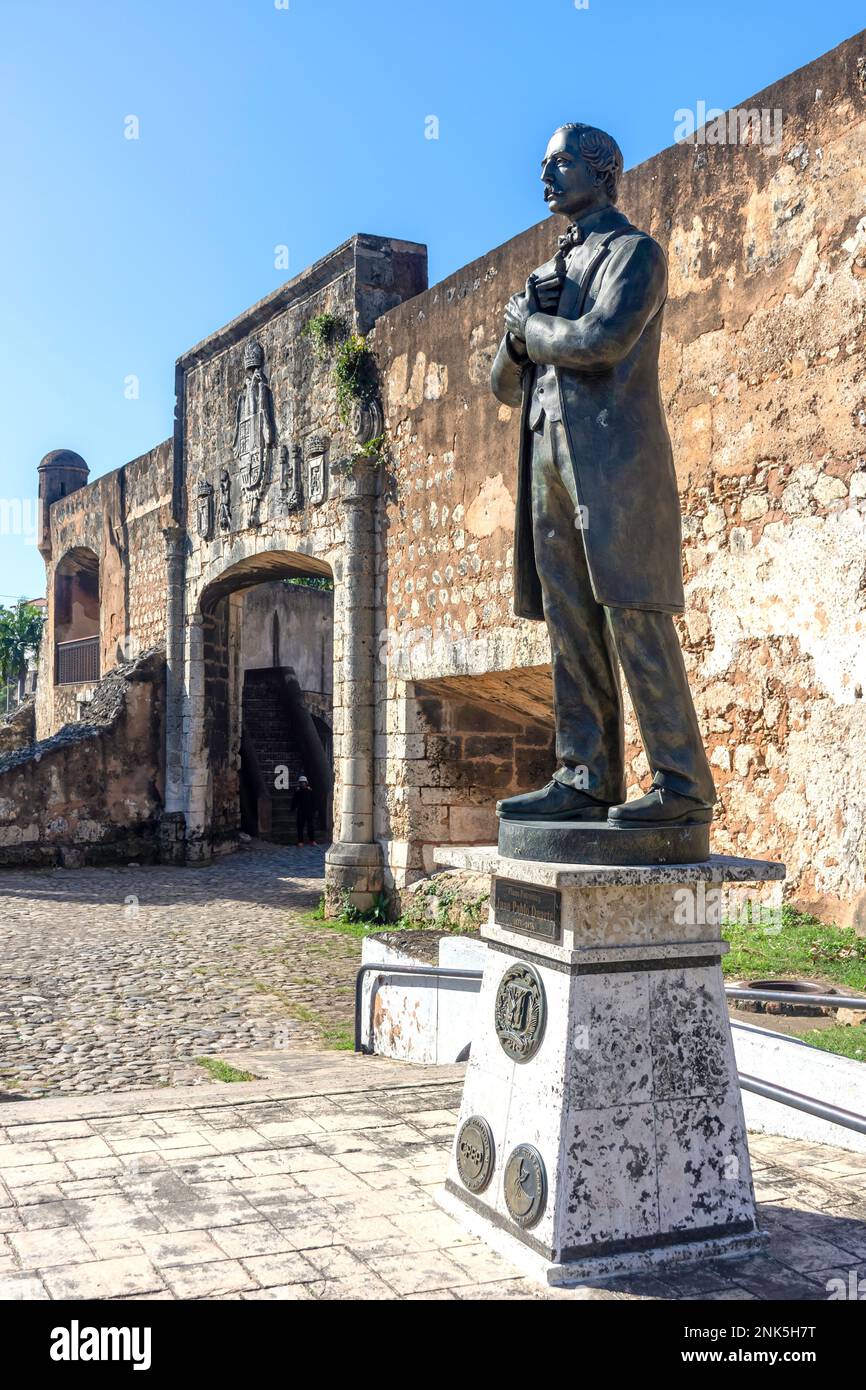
x,y
121,977
324,1189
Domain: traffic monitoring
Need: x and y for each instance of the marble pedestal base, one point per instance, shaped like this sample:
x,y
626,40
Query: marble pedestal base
x,y
601,1129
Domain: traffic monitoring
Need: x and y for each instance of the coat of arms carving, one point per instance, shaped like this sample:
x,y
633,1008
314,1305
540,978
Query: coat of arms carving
x,y
205,510
255,432
520,1011
317,468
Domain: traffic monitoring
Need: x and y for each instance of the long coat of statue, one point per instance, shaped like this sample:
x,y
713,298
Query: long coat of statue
x,y
604,344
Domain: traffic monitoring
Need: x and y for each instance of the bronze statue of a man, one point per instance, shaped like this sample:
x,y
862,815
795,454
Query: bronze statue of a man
x,y
598,535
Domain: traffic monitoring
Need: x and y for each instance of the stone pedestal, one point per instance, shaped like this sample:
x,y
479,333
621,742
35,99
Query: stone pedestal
x,y
601,1129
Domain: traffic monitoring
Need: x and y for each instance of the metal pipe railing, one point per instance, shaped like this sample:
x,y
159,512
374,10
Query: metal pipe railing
x,y
784,996
833,1114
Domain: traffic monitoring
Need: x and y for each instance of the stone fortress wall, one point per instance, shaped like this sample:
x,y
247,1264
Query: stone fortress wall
x,y
119,517
764,386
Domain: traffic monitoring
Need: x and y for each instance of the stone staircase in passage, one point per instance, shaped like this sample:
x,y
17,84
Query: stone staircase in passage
x,y
268,726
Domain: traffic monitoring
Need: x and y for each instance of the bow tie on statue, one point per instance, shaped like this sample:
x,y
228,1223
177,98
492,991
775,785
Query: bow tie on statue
x,y
548,289
573,236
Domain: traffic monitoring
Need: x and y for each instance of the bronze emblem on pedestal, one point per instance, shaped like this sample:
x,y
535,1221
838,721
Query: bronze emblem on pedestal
x,y
525,1185
475,1153
520,1011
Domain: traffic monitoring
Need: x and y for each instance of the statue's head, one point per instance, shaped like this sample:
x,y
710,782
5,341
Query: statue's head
x,y
580,170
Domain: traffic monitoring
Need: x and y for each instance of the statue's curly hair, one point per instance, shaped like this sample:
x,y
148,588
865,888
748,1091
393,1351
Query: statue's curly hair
x,y
601,152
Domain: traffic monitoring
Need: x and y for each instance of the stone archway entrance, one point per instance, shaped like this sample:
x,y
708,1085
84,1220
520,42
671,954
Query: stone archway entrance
x,y
202,807
265,628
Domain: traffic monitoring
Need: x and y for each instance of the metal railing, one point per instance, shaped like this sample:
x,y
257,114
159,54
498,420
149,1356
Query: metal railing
x,y
783,996
833,1114
77,662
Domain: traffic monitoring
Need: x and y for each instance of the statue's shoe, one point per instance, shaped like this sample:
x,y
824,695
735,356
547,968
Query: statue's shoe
x,y
553,802
661,807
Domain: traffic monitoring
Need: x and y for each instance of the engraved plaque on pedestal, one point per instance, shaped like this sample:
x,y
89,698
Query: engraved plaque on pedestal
x,y
523,908
520,1012
525,1185
475,1153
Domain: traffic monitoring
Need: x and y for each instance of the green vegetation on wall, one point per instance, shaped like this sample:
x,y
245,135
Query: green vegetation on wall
x,y
353,371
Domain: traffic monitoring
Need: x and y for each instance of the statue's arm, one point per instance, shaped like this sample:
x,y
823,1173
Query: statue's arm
x,y
506,376
632,292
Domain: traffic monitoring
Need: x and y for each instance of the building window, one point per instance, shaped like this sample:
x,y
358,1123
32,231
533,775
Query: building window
x,y
76,618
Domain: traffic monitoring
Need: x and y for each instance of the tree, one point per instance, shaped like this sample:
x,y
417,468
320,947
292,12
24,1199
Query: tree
x,y
20,635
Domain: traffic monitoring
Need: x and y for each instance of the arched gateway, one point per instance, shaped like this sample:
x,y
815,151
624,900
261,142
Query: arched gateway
x,y
277,477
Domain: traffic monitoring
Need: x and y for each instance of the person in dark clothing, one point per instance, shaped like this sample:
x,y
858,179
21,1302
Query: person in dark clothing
x,y
305,806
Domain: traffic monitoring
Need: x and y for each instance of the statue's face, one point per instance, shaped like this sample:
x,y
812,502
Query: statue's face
x,y
571,186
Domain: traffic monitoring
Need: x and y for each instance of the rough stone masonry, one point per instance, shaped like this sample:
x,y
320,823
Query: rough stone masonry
x,y
442,697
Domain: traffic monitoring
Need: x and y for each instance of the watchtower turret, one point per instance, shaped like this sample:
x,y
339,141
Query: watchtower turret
x,y
60,473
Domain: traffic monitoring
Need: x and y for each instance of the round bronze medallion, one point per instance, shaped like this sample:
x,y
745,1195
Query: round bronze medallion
x,y
520,1011
475,1153
525,1185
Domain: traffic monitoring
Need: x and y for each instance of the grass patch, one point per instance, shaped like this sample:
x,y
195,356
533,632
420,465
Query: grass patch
x,y
221,1071
354,929
843,1041
800,947
352,922
336,1036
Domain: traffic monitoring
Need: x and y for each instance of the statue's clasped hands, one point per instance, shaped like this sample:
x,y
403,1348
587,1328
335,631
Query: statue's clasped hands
x,y
517,311
539,297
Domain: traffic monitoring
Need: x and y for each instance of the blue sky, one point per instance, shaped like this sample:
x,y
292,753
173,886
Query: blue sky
x,y
265,124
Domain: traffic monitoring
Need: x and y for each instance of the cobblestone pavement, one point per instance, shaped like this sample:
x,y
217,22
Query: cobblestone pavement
x,y
324,1188
121,977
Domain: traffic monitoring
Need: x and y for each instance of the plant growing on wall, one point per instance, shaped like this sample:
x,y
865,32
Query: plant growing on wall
x,y
372,449
354,370
354,374
371,452
321,330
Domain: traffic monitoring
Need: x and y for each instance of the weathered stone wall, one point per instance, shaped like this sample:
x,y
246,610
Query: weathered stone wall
x,y
441,775
306,632
119,518
18,729
92,793
763,381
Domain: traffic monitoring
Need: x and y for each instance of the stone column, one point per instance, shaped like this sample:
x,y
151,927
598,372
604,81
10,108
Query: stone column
x,y
354,863
172,825
601,1130
196,771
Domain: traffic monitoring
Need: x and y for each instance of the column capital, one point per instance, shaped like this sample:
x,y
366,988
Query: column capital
x,y
361,478
174,536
